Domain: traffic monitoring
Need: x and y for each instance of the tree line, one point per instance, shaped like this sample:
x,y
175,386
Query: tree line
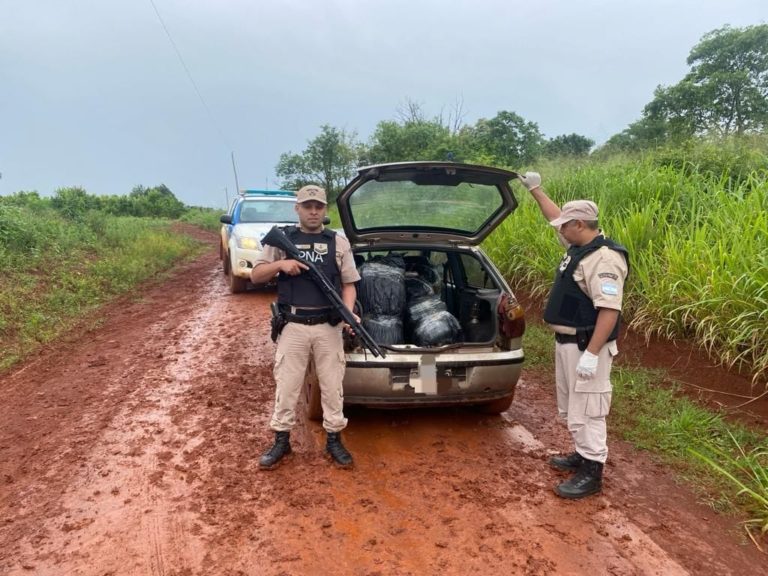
x,y
725,93
75,203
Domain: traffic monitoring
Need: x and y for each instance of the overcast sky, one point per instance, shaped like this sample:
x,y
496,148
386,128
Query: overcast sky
x,y
93,93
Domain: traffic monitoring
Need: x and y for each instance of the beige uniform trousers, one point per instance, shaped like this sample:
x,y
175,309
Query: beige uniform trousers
x,y
294,346
584,404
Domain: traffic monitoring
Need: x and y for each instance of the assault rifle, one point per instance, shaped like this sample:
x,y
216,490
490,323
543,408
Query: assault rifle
x,y
277,238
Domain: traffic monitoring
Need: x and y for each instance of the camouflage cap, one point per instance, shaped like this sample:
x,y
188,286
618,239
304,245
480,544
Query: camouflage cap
x,y
311,192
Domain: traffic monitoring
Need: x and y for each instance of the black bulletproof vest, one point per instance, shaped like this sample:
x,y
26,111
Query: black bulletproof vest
x,y
568,305
301,290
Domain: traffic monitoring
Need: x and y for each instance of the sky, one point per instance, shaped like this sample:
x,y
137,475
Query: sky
x,y
107,95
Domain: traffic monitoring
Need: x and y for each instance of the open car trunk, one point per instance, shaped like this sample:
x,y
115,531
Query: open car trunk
x,y
430,297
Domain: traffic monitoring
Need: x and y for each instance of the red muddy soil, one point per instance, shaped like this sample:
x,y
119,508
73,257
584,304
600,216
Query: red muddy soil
x,y
133,449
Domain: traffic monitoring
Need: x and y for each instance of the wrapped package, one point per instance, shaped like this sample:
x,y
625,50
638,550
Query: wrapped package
x,y
395,260
437,329
382,289
423,307
429,274
385,330
416,288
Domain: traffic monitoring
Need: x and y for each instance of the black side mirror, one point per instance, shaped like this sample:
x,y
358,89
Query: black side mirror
x,y
225,219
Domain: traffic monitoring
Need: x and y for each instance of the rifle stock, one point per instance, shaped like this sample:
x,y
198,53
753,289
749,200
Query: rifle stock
x,y
277,238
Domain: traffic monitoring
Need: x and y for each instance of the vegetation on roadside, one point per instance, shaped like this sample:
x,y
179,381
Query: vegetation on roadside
x,y
205,218
697,237
62,257
726,463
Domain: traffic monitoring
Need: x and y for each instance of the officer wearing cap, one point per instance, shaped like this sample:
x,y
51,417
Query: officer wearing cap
x,y
313,326
583,310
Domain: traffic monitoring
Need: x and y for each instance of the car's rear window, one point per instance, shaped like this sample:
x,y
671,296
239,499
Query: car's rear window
x,y
391,204
268,211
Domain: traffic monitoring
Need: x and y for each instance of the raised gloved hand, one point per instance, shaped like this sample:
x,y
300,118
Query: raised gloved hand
x,y
587,367
531,180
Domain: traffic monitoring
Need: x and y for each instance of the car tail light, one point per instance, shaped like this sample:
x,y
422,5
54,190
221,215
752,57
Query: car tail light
x,y
511,317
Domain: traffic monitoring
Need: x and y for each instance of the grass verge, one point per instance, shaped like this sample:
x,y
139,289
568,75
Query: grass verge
x,y
45,294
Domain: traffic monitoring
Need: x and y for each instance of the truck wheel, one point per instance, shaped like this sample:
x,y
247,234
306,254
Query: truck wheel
x,y
236,284
224,261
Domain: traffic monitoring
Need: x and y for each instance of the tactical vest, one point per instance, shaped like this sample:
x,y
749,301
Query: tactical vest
x,y
568,305
301,290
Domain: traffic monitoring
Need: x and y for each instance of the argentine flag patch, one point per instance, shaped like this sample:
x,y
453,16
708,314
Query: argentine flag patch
x,y
609,289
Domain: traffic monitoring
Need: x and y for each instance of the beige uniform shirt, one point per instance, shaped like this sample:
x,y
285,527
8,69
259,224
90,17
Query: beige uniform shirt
x,y
344,259
601,276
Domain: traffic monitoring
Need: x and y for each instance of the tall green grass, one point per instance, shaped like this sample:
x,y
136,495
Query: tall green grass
x,y
746,470
207,218
54,270
698,243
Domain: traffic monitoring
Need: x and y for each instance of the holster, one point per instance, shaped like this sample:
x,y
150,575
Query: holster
x,y
277,322
582,339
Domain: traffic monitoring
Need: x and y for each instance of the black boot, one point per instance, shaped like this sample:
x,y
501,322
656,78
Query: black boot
x,y
570,463
281,447
588,480
335,448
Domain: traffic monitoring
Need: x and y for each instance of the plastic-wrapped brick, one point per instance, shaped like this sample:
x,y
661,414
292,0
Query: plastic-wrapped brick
x,y
437,329
382,289
423,307
385,330
429,274
416,288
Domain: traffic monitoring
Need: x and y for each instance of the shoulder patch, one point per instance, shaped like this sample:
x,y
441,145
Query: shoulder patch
x,y
608,275
609,288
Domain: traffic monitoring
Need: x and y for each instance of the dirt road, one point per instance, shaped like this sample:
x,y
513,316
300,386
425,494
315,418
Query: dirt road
x,y
133,450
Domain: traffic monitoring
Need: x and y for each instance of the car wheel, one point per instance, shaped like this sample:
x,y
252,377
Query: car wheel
x,y
236,284
314,408
497,406
224,260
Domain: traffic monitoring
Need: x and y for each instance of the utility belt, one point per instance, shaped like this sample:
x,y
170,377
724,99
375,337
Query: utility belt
x,y
581,338
309,316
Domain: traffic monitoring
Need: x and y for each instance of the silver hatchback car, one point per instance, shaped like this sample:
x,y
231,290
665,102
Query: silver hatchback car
x,y
449,323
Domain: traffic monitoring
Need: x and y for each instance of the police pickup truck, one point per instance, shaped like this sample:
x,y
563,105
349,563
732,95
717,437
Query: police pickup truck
x,y
251,215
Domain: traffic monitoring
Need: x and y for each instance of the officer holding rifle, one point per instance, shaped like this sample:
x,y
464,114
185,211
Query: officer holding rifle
x,y
312,326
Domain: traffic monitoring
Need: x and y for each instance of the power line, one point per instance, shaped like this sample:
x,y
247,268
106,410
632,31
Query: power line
x,y
189,75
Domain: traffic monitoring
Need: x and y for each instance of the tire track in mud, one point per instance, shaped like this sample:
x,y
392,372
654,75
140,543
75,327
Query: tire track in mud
x,y
126,500
141,452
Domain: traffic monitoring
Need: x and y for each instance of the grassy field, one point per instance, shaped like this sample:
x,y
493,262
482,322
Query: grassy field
x,y
54,270
698,242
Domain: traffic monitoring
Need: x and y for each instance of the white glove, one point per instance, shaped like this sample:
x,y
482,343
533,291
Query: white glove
x,y
531,180
587,367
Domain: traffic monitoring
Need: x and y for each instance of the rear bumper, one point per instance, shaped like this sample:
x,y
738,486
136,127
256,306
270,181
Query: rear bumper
x,y
431,379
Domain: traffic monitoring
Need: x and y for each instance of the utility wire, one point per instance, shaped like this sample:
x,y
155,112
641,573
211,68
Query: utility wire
x,y
189,75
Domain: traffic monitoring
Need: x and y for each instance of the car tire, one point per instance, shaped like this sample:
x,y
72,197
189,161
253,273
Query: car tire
x,y
236,284
497,406
313,407
224,260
